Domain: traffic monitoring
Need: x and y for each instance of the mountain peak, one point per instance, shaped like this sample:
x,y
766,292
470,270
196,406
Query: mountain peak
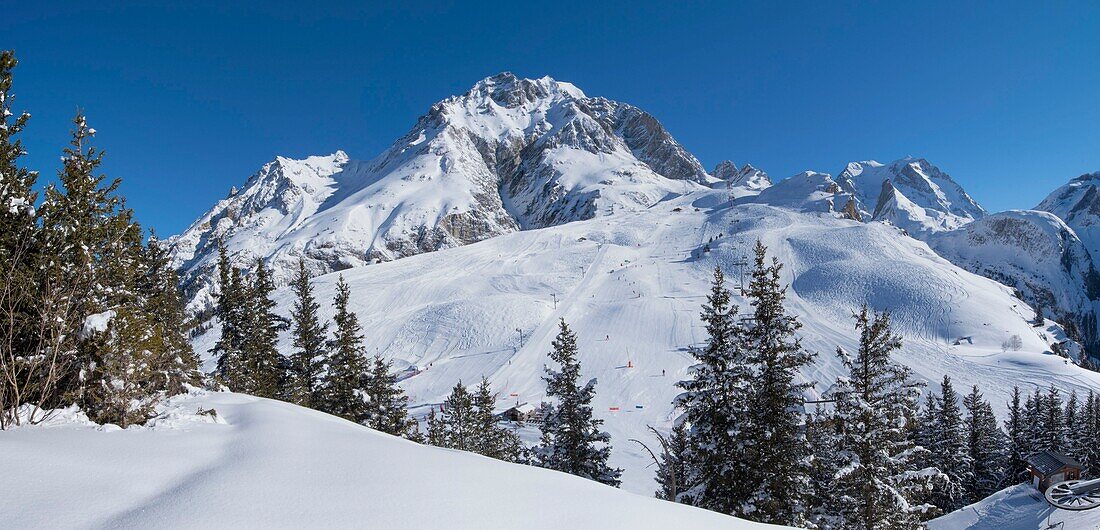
x,y
911,193
509,91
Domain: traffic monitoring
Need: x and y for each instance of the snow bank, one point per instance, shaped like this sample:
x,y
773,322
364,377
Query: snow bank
x,y
1019,507
269,464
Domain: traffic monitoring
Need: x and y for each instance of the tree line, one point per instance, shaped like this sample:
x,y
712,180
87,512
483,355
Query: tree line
x,y
90,310
869,455
330,373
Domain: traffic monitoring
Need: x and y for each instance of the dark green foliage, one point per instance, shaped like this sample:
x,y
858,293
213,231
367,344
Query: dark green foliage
x,y
880,467
947,439
673,465
1019,445
572,441
715,403
385,407
985,448
347,370
306,362
91,315
774,438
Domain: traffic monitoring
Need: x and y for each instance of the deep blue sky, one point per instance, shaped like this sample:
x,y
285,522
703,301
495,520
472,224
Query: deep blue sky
x,y
190,100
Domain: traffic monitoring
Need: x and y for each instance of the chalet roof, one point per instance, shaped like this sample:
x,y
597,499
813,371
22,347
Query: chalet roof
x,y
1046,462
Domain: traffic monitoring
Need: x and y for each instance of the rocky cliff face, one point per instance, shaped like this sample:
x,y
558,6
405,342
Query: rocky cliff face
x,y
1078,204
509,154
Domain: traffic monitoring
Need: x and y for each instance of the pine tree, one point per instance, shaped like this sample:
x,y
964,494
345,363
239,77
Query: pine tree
x,y
309,333
457,421
949,451
175,363
1070,418
28,358
1016,432
84,224
878,475
715,404
1033,422
347,371
230,309
776,442
493,440
673,465
985,447
436,430
1052,421
263,369
386,403
572,441
1087,435
823,438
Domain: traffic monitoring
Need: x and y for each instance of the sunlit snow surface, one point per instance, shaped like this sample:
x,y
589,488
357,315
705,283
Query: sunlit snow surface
x,y
631,285
1019,507
267,464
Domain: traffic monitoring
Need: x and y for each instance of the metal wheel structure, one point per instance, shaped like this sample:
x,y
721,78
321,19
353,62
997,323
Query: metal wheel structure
x,y
1075,494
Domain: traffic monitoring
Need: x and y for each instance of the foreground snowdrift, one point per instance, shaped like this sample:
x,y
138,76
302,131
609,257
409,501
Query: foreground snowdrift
x,y
264,463
1019,507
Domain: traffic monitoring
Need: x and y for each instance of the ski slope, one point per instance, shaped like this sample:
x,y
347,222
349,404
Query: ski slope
x,y
1019,507
631,285
268,464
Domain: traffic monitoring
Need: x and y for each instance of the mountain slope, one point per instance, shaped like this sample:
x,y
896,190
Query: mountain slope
x,y
1036,253
631,285
911,194
268,464
509,154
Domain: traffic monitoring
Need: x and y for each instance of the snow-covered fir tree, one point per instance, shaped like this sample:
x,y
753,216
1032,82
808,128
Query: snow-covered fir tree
x,y
456,425
493,440
1070,421
985,447
715,403
307,359
23,378
1018,444
823,437
175,362
948,447
1052,421
1088,434
774,436
229,308
572,441
344,385
879,473
672,467
385,408
263,368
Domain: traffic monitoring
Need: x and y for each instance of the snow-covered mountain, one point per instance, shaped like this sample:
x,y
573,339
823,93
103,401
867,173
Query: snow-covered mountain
x,y
1078,204
631,285
525,201
1036,253
809,191
747,177
909,193
510,154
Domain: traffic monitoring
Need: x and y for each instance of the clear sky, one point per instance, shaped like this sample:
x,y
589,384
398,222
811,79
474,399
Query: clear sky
x,y
190,99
